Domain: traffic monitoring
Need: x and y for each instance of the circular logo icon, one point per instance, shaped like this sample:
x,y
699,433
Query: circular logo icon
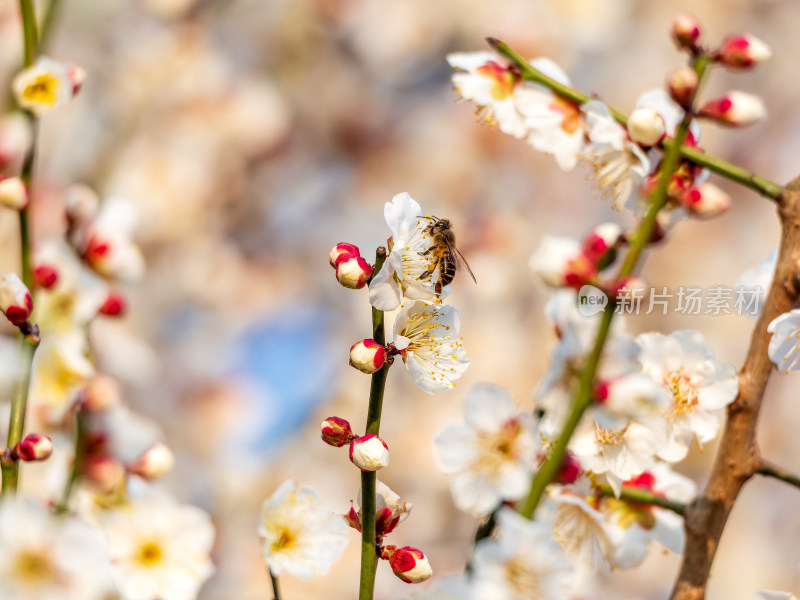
x,y
591,300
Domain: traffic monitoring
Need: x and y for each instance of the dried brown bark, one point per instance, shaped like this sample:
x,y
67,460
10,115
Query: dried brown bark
x,y
738,459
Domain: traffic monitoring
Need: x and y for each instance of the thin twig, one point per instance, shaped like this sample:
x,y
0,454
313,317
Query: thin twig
x,y
768,469
635,494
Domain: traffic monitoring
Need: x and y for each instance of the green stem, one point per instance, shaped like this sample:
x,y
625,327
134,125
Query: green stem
x,y
77,462
369,557
276,593
583,397
749,180
635,494
29,31
48,19
16,423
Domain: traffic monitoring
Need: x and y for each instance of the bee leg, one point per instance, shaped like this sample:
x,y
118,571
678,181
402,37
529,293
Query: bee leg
x,y
438,288
428,251
427,273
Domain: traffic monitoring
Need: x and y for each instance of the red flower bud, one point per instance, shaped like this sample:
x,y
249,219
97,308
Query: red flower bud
x,y
35,446
743,51
336,432
408,563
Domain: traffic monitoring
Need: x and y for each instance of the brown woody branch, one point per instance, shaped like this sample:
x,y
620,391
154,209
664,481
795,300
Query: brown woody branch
x,y
738,459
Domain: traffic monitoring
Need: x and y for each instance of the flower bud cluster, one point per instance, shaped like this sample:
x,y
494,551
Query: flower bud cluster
x,y
367,452
352,270
562,262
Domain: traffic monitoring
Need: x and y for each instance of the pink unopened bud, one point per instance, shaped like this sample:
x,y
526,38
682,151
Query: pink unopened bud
x,y
599,241
706,200
368,356
369,453
114,305
409,564
342,249
353,272
736,109
101,393
743,51
686,31
646,127
34,446
336,432
154,463
682,83
15,299
13,193
45,276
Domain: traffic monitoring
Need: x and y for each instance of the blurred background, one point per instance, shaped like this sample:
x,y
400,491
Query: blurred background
x,y
254,135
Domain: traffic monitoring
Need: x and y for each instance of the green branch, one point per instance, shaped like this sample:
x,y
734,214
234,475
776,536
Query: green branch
x,y
583,397
635,494
749,180
369,557
77,461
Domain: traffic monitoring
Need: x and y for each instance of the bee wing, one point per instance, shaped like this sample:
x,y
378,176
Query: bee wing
x,y
460,261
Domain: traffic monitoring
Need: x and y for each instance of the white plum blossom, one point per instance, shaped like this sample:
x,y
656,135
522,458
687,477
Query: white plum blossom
x,y
555,124
48,557
159,548
404,272
618,448
299,536
578,525
44,86
427,337
595,528
60,370
524,562
491,455
784,345
699,386
618,165
492,86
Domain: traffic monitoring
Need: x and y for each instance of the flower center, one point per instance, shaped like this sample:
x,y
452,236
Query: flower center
x,y
33,566
284,540
504,80
42,89
684,393
149,554
572,120
609,437
499,447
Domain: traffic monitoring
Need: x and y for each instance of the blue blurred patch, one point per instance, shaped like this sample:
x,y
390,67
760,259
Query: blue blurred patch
x,y
293,359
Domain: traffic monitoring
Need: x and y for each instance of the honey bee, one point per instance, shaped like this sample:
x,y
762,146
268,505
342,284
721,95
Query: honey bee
x,y
446,256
